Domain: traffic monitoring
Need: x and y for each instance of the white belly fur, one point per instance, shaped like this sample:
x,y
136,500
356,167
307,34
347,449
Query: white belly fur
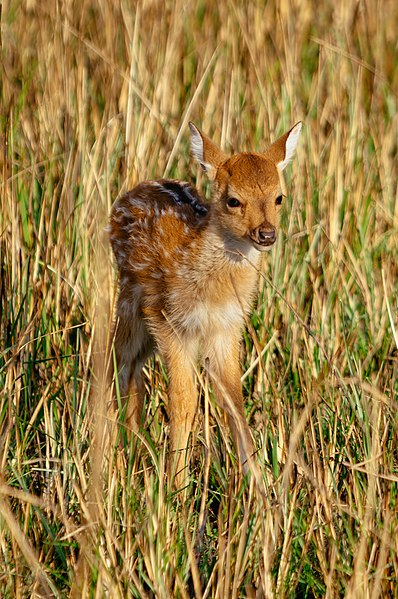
x,y
202,319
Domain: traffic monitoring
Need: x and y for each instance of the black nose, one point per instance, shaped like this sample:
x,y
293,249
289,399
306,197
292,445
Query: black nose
x,y
266,236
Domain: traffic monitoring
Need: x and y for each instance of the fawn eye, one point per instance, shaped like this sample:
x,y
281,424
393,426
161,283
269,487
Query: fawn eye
x,y
233,203
278,200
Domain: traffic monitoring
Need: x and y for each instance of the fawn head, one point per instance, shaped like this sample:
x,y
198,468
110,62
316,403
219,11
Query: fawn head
x,y
247,194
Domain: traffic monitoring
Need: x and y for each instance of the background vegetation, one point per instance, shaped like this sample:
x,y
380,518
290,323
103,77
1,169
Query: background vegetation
x,y
96,95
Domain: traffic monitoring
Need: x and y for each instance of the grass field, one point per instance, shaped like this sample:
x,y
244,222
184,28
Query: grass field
x,y
96,95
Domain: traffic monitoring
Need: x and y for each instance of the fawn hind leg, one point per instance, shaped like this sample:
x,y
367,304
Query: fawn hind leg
x,y
133,346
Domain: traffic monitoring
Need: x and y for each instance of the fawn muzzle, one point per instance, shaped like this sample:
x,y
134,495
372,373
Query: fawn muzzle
x,y
264,235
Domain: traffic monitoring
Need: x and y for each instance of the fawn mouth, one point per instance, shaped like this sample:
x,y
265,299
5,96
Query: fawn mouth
x,y
263,246
263,237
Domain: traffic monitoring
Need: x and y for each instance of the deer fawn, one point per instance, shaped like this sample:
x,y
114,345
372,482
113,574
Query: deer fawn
x,y
187,275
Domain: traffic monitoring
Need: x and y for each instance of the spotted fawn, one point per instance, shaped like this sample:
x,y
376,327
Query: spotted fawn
x,y
187,275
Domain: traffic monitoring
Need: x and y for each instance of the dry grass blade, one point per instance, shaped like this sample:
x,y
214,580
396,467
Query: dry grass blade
x,y
42,584
96,96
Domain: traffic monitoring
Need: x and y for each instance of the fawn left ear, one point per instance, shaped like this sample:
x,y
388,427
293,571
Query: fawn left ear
x,y
282,150
209,156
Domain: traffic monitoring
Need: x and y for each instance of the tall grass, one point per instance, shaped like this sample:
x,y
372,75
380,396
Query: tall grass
x,y
96,96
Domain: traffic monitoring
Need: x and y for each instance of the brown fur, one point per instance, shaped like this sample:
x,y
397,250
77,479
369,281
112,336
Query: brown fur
x,y
187,276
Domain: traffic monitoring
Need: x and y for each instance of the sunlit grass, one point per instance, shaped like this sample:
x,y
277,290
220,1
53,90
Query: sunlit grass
x,y
96,96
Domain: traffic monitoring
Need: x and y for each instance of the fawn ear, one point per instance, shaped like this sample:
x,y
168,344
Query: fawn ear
x,y
206,152
282,150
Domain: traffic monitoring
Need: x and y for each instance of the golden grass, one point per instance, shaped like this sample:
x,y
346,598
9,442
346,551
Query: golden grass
x,y
96,96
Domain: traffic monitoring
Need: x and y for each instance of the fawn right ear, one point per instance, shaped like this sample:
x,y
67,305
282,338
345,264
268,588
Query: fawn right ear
x,y
209,156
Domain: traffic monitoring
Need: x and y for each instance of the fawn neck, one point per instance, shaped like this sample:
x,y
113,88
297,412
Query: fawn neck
x,y
222,251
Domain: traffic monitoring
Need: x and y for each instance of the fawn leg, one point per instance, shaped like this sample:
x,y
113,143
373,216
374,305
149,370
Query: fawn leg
x,y
133,346
183,402
136,389
225,372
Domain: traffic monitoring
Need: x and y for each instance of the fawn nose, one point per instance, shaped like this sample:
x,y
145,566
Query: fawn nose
x,y
264,235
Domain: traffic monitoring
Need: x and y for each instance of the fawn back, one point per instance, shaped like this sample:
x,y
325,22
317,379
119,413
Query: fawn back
x,y
187,274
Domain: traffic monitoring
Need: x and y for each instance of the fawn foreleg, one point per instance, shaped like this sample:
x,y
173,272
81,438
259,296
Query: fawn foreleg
x,y
226,375
182,401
